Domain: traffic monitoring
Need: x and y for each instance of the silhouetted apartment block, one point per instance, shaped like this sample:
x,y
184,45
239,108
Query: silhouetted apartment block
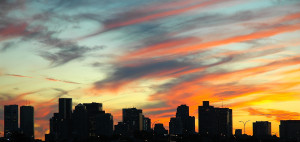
x,y
290,130
238,132
134,118
121,129
10,119
65,107
146,124
100,123
214,121
159,129
27,121
182,123
80,123
261,129
60,123
104,124
175,126
93,110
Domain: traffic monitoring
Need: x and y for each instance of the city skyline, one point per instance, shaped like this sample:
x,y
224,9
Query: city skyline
x,y
89,120
154,55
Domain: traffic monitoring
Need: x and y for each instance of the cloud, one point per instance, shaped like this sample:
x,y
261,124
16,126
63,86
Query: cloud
x,y
16,75
119,21
124,75
273,113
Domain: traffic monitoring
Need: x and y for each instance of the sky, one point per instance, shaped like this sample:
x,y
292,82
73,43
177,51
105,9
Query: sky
x,y
153,55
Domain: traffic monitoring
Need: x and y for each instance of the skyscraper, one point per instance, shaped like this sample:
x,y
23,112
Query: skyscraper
x,y
183,123
65,107
134,118
290,130
104,124
93,110
214,121
60,123
261,129
100,123
80,123
10,119
27,121
146,124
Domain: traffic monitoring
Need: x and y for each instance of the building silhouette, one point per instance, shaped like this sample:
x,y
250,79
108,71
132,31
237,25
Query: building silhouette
x,y
27,121
182,123
11,119
80,123
238,132
146,124
290,130
61,122
65,108
160,130
88,121
121,129
93,110
134,118
261,129
214,121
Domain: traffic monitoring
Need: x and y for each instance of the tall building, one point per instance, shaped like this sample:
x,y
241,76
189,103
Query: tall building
x,y
214,121
146,124
10,119
61,122
134,118
175,126
65,107
27,121
99,122
80,123
104,124
290,130
182,123
261,129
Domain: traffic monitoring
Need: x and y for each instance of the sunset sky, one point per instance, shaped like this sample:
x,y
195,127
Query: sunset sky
x,y
154,55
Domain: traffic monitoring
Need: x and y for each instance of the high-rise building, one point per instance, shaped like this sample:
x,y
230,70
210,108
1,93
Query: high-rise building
x,y
290,130
183,111
93,109
261,129
10,119
214,121
134,118
80,129
175,126
146,124
100,123
65,107
61,122
27,121
104,124
183,123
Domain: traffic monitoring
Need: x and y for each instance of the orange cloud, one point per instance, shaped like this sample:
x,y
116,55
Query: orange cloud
x,y
16,75
278,114
56,80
